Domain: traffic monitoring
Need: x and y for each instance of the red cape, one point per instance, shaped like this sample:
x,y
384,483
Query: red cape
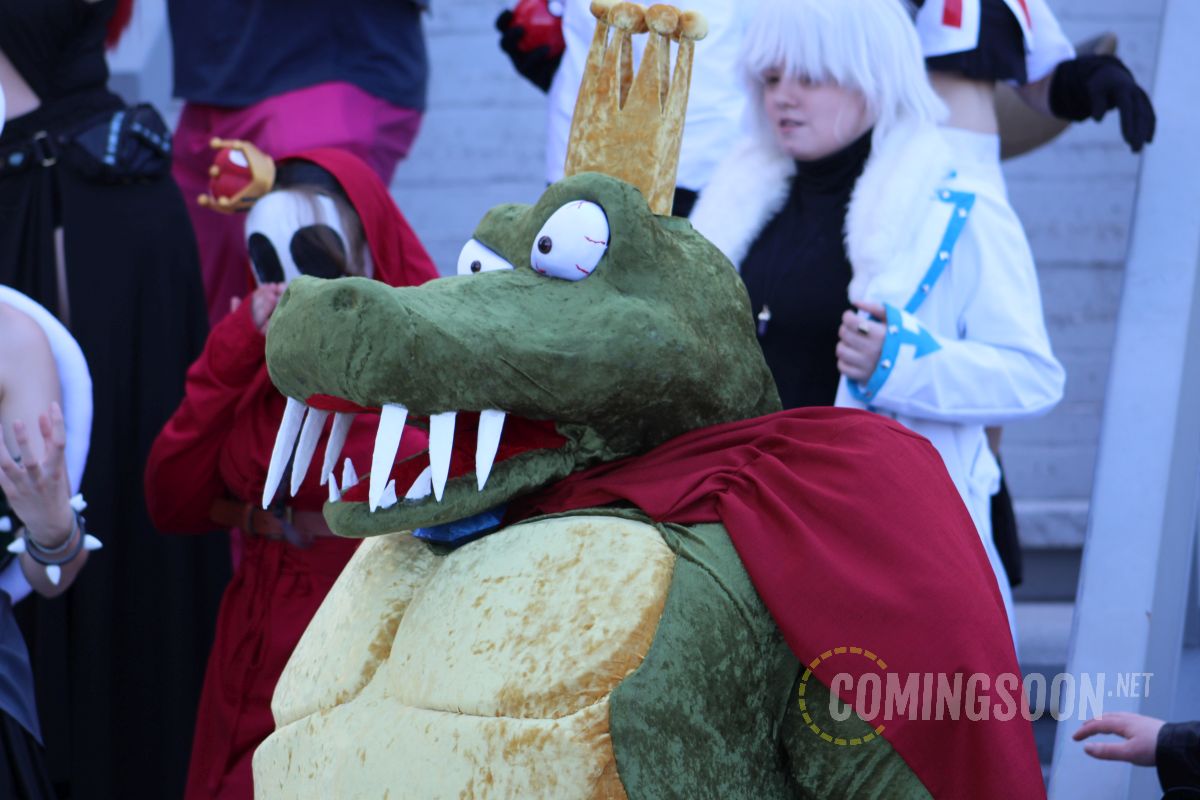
x,y
854,535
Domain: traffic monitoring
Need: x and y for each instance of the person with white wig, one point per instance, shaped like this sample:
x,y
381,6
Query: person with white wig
x,y
845,187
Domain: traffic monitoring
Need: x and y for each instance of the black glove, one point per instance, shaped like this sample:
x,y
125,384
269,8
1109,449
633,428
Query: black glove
x,y
537,66
1089,86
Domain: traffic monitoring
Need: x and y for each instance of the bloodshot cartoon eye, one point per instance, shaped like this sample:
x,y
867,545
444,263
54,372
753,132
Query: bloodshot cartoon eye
x,y
571,243
476,258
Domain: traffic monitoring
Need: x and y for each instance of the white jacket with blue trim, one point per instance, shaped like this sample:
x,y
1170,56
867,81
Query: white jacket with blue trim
x,y
945,253
966,342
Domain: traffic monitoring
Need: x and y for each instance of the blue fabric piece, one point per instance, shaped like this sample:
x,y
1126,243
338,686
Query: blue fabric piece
x,y
234,53
963,203
887,358
459,532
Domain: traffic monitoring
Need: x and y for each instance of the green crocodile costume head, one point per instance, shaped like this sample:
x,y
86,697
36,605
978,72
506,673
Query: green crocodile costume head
x,y
591,360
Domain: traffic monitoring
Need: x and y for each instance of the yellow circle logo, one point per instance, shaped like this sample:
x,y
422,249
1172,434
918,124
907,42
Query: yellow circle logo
x,y
808,719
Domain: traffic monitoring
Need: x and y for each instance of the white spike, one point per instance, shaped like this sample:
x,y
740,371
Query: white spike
x,y
289,428
422,487
54,573
78,503
491,423
91,542
310,434
17,546
333,447
441,443
349,476
5,524
387,442
334,494
389,496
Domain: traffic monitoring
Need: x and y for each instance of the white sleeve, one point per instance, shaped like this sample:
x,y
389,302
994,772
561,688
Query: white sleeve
x,y
1048,46
998,365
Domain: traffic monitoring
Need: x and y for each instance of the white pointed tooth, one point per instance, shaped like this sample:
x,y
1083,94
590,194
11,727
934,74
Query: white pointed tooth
x,y
389,498
333,447
54,573
310,434
16,546
441,443
349,476
5,524
289,428
387,442
422,487
334,494
78,503
491,423
91,542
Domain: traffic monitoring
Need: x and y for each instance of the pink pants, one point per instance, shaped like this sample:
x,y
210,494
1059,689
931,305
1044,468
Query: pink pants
x,y
326,115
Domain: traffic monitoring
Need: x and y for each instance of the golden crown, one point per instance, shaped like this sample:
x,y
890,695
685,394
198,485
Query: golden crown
x,y
240,174
632,127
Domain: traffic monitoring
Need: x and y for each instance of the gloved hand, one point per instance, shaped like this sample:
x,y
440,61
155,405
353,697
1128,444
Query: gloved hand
x,y
537,65
1089,86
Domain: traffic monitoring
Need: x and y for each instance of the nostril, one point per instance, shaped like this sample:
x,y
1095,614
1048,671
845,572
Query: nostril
x,y
344,299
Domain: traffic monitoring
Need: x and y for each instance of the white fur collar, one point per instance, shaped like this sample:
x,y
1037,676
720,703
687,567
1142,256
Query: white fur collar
x,y
885,212
889,201
746,191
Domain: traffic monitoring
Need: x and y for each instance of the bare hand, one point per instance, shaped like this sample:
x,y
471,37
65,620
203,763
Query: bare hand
x,y
858,351
1140,734
263,302
39,492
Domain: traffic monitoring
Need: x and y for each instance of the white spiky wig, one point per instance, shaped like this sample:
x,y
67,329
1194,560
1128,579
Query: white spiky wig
x,y
867,45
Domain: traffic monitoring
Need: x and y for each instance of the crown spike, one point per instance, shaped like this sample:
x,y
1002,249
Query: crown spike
x,y
630,125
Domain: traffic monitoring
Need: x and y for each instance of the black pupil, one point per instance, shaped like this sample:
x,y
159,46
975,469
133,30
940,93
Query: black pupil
x,y
545,245
476,266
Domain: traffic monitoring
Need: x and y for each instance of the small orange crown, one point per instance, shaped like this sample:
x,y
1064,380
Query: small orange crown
x,y
240,174
632,128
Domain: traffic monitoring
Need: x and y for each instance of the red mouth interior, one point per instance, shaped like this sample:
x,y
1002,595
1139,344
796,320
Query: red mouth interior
x,y
520,435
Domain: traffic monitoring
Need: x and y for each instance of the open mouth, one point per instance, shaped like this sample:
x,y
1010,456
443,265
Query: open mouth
x,y
461,444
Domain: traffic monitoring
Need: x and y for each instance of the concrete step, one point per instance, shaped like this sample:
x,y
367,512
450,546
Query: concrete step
x,y
1043,638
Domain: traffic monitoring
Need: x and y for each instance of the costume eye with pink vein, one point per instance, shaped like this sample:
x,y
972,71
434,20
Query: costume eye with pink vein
x,y
571,242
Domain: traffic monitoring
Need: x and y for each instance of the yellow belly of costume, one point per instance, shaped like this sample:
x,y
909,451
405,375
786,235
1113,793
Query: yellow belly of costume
x,y
484,673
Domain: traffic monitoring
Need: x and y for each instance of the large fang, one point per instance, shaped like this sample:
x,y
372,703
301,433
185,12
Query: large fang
x,y
387,443
310,434
349,475
333,447
491,423
389,496
422,487
289,428
441,442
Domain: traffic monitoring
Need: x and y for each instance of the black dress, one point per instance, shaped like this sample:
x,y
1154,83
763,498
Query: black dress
x,y
119,659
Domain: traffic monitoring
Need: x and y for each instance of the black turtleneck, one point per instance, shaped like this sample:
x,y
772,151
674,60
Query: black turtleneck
x,y
797,267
